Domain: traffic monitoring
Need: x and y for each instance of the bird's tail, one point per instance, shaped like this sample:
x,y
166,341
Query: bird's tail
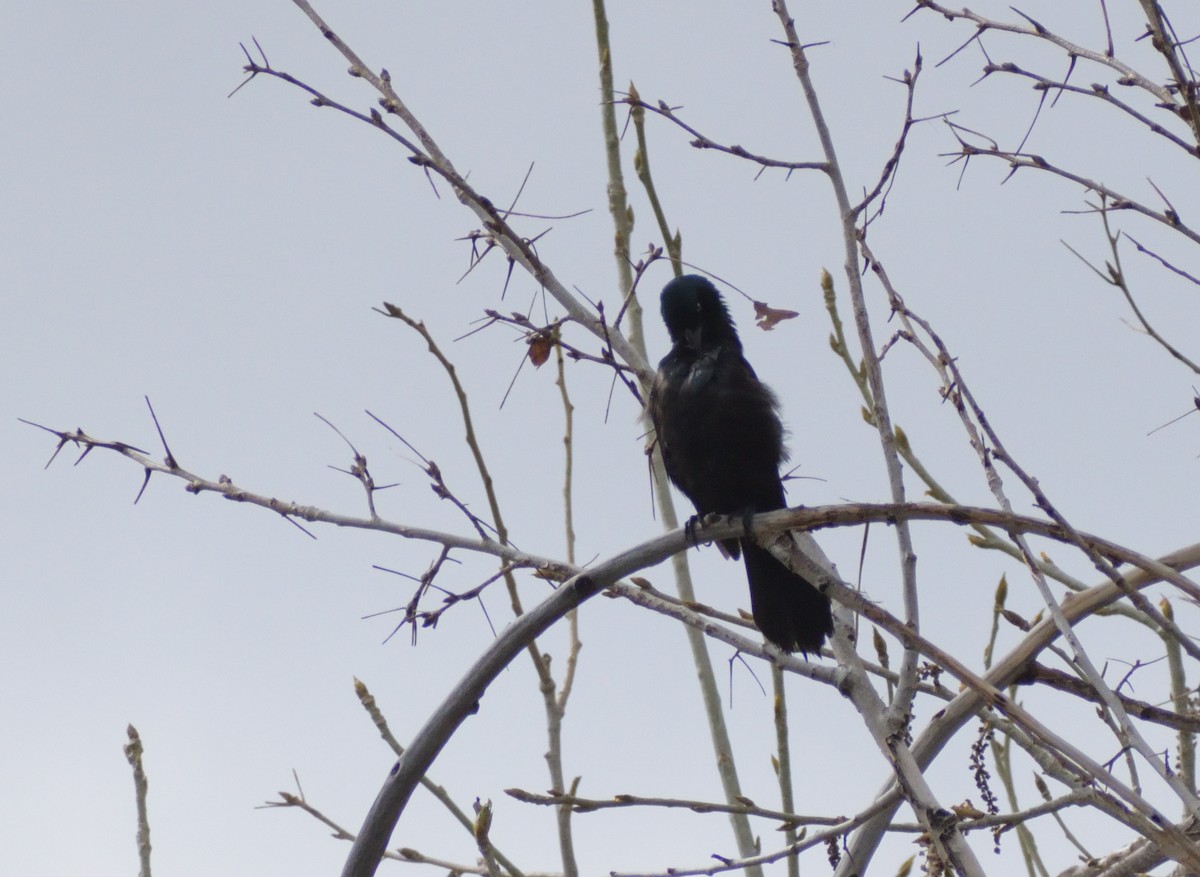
x,y
788,610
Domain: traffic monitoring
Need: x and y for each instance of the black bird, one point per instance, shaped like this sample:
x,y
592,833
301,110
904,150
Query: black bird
x,y
721,439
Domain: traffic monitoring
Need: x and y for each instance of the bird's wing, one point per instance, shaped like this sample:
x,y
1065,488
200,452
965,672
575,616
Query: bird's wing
x,y
705,372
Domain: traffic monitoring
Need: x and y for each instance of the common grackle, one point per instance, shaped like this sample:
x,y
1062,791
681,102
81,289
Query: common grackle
x,y
718,429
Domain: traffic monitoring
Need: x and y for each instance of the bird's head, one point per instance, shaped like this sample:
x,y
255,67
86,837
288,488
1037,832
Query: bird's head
x,y
695,313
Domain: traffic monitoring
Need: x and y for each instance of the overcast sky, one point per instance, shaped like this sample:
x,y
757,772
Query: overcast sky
x,y
223,255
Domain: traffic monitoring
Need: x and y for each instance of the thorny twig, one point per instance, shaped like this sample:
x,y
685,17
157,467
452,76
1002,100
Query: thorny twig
x,y
425,153
700,141
1115,275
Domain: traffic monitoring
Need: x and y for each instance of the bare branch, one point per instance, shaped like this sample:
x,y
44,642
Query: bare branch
x,y
133,754
1128,75
700,141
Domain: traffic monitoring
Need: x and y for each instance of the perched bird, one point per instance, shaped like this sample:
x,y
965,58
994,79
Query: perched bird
x,y
718,429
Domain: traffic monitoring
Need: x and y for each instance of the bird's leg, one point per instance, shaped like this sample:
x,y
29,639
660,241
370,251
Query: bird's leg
x,y
689,530
747,515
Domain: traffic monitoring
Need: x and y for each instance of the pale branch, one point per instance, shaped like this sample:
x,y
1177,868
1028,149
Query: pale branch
x,y
901,701
225,487
288,800
1002,758
425,153
940,824
1115,276
1191,278
739,620
1075,798
133,754
945,841
546,685
413,614
1127,75
696,614
1181,692
764,524
1054,767
945,823
540,661
464,699
641,166
1097,90
990,541
986,538
1136,858
555,701
541,338
887,175
620,801
713,528
968,703
437,482
470,437
416,857
622,215
639,268
564,693
358,470
647,598
1148,819
832,834
782,762
1176,719
483,840
1018,160
1162,37
789,820
606,351
1184,86
402,854
981,435
439,792
971,413
700,141
618,202
818,517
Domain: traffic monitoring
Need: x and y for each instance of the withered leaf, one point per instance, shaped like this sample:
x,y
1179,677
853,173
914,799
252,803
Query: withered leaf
x,y
539,349
767,317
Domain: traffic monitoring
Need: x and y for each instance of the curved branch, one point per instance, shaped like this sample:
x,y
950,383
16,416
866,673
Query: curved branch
x,y
982,691
464,699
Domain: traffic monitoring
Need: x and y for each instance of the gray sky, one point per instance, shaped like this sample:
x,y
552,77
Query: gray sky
x,y
222,256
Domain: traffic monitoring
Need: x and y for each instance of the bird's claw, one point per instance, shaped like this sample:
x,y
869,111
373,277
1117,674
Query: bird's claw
x,y
689,530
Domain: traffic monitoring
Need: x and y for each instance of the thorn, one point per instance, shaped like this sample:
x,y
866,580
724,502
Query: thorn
x,y
145,482
170,458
